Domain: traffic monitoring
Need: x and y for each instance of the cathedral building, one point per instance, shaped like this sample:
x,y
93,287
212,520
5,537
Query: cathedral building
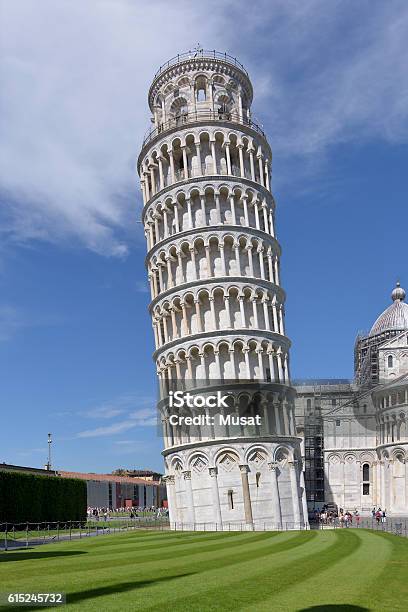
x,y
355,435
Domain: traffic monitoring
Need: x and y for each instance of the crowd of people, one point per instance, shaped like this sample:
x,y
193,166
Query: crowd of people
x,y
134,512
339,517
379,515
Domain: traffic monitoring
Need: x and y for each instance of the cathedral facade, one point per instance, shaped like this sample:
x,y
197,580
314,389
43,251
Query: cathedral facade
x,y
355,434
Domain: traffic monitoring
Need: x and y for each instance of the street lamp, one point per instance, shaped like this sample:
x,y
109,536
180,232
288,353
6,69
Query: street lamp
x,y
48,466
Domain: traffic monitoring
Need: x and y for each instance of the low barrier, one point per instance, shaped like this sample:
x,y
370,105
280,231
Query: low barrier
x,y
19,535
24,535
395,525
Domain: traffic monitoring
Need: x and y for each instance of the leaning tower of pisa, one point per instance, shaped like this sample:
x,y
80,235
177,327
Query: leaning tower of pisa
x,y
217,305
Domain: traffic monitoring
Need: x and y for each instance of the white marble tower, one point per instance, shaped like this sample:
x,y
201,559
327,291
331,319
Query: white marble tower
x,y
217,304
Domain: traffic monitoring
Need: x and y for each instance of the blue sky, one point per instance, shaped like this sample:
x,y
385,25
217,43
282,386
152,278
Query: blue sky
x,y
331,89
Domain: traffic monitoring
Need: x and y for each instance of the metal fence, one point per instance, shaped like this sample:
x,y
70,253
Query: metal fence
x,y
24,535
239,526
20,535
397,526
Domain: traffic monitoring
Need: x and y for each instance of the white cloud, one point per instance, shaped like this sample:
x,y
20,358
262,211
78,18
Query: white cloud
x,y
73,98
144,416
74,86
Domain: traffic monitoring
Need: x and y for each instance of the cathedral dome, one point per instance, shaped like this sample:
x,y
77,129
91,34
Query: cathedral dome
x,y
393,317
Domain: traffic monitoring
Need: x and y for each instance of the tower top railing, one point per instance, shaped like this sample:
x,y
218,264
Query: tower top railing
x,y
200,54
184,119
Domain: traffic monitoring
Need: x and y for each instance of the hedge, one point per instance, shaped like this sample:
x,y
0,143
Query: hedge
x,y
35,498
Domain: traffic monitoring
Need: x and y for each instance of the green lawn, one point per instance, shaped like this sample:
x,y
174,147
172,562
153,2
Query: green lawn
x,y
345,570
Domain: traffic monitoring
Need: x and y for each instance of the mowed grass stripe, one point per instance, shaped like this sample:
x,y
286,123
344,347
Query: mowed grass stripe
x,y
390,590
285,572
323,585
158,587
196,576
146,555
230,590
101,569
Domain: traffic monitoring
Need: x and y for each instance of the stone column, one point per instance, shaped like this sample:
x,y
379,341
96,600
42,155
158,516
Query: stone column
x,y
151,286
156,336
173,322
261,262
212,307
190,214
169,273
270,266
246,494
252,164
271,368
198,314
199,162
172,171
261,178
223,267
208,259
242,310
240,114
151,235
165,331
276,265
246,357
271,223
161,176
260,363
147,188
142,187
165,223
255,204
238,258
228,311
214,157
176,217
277,513
193,260
171,496
245,204
218,207
185,162
233,216
250,262
275,318
266,314
189,496
241,160
255,311
215,496
218,364
228,156
267,185
304,500
203,212
152,179
265,217
184,325
280,368
295,491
